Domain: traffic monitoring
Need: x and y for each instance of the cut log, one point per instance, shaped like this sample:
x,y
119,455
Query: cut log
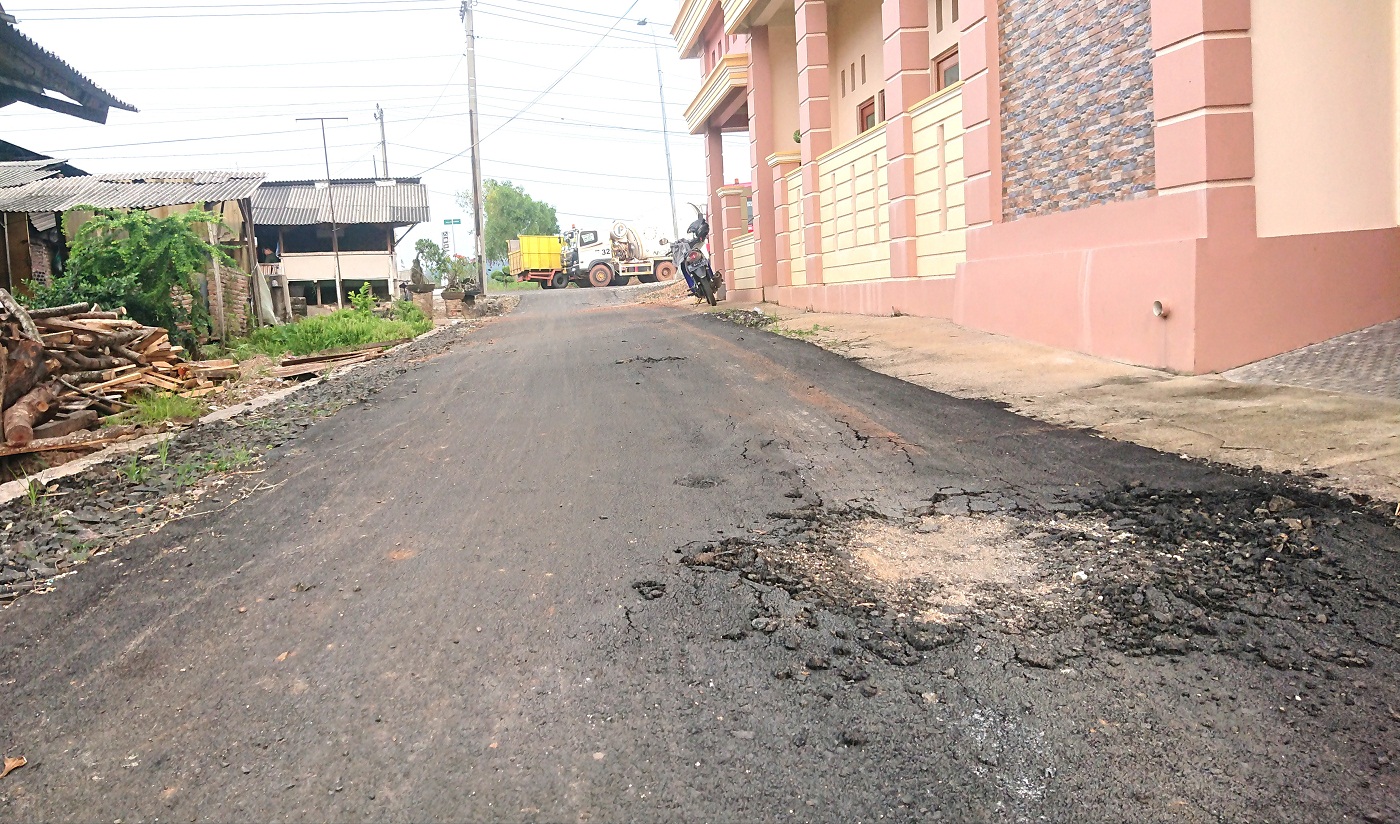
x,y
26,413
27,368
76,440
26,323
54,311
59,427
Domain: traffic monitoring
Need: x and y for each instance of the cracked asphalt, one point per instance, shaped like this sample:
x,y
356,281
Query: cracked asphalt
x,y
609,562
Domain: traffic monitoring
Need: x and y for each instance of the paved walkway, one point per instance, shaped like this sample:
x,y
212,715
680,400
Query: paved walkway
x,y
1365,363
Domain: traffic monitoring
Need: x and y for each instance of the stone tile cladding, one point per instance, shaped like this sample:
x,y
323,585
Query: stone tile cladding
x,y
1076,104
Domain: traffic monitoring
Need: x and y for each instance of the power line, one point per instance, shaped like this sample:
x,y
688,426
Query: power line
x,y
544,168
539,96
213,14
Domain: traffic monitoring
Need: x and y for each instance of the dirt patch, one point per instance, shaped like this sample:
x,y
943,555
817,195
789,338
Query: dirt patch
x,y
950,564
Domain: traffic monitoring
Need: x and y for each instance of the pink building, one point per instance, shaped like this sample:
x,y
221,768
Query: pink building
x,y
1185,184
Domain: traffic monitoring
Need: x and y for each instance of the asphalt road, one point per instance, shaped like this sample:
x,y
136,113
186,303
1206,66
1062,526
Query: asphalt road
x,y
598,563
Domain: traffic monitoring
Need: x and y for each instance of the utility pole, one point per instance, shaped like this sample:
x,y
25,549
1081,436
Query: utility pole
x,y
330,199
478,223
383,141
665,137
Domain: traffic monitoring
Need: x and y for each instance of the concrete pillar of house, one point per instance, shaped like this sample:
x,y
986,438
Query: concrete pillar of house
x,y
762,142
780,166
907,81
978,47
734,201
1202,87
814,120
714,180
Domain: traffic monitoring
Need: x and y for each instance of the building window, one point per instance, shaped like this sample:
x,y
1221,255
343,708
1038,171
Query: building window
x,y
843,82
862,69
945,69
881,98
867,119
955,11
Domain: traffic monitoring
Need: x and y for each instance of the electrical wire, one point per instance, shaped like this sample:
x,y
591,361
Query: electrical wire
x,y
539,96
218,14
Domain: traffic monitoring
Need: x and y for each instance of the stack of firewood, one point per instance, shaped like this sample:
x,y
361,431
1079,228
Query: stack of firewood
x,y
65,368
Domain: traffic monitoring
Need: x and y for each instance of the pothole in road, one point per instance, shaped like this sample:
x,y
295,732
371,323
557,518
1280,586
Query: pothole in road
x,y
699,481
941,569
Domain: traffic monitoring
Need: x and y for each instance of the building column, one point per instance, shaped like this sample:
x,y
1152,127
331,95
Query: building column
x,y
714,180
1202,86
907,81
978,48
761,144
814,118
780,166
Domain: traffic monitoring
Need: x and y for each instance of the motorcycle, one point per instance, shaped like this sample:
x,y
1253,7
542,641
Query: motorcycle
x,y
691,261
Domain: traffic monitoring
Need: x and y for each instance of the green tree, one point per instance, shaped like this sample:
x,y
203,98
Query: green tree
x,y
138,261
511,213
439,267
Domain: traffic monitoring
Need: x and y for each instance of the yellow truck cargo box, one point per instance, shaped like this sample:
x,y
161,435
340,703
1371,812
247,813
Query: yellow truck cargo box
x,y
535,253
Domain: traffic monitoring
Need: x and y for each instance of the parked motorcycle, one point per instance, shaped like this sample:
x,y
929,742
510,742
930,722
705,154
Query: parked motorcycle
x,y
689,258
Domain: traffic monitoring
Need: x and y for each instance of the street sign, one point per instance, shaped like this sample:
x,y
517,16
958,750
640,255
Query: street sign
x,y
455,221
446,243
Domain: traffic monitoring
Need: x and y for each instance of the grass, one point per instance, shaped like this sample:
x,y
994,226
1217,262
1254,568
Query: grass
x,y
513,286
346,327
157,408
802,334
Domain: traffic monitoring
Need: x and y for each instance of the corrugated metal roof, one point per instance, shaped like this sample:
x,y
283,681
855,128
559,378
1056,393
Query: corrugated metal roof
x,y
65,79
20,172
304,203
143,190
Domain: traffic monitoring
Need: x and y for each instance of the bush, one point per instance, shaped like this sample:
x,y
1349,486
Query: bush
x,y
135,260
343,328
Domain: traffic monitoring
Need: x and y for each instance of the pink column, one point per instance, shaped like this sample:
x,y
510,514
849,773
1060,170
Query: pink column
x,y
814,118
714,180
761,144
782,165
907,81
978,47
1199,84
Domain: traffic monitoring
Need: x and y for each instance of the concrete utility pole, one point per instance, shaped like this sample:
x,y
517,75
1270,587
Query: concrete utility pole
x,y
330,198
478,221
383,142
665,137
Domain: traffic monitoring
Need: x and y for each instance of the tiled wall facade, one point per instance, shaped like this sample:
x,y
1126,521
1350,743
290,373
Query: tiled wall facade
x,y
1076,104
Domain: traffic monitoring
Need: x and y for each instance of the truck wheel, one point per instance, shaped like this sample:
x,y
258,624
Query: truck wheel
x,y
600,275
665,270
560,280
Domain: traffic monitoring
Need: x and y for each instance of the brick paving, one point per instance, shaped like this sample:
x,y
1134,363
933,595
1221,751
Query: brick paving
x,y
1366,362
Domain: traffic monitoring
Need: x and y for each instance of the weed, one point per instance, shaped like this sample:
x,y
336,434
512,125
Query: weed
x,y
135,471
363,300
81,552
33,492
802,334
164,454
347,327
155,408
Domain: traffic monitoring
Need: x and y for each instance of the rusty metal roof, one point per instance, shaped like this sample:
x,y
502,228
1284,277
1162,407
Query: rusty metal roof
x,y
399,202
142,190
20,172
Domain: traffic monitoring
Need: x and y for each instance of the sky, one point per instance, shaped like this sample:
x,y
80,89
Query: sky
x,y
220,86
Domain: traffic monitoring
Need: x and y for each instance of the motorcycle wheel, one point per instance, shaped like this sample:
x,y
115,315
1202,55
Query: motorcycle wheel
x,y
707,290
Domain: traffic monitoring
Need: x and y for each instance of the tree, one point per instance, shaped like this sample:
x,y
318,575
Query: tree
x,y
141,262
439,267
511,213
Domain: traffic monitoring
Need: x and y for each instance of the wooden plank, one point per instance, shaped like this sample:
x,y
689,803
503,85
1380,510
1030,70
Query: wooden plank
x,y
331,354
317,367
119,381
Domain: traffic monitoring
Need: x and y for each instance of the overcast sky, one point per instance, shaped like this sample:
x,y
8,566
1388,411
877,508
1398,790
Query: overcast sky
x,y
219,86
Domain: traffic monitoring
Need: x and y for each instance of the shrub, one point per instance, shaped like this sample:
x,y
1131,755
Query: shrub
x,y
343,328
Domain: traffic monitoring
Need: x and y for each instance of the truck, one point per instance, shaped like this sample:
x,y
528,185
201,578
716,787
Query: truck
x,y
581,256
